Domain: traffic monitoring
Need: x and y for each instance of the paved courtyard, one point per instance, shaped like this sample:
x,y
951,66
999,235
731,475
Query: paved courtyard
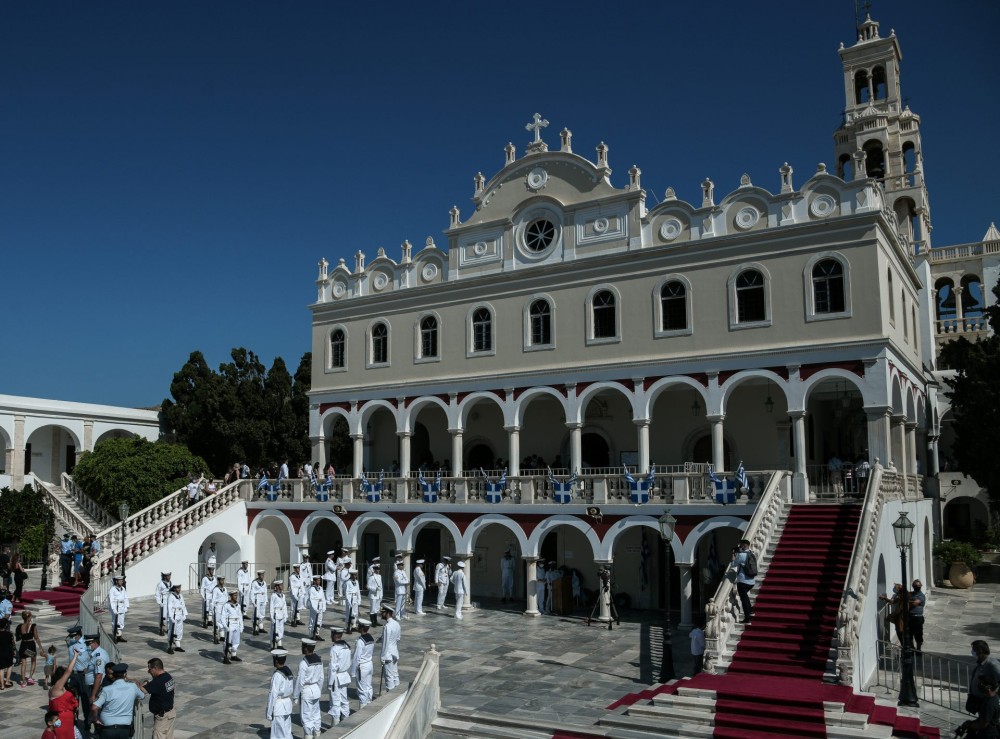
x,y
495,660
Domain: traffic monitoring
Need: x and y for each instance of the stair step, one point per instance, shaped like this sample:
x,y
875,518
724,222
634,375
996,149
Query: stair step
x,y
458,727
672,713
782,727
651,727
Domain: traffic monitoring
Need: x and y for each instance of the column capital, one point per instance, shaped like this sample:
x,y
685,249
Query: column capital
x,y
796,414
529,558
318,437
684,565
640,422
401,552
456,431
874,412
603,561
512,429
715,417
357,437
898,419
404,434
574,425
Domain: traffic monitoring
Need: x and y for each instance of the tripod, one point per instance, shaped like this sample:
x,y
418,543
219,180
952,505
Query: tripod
x,y
605,598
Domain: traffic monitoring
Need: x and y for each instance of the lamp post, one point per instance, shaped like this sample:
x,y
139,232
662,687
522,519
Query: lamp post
x,y
666,523
123,510
902,530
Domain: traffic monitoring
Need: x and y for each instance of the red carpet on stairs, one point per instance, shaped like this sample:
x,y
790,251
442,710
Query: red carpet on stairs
x,y
64,598
774,686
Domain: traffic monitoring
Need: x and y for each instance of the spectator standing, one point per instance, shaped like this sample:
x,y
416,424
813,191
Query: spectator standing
x,y
66,557
19,575
5,566
113,709
29,645
744,582
987,724
697,648
987,668
63,701
50,666
6,654
917,602
160,689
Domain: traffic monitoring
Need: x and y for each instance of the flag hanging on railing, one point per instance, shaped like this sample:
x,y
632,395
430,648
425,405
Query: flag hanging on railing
x,y
262,484
495,490
639,489
562,491
712,476
742,483
374,493
725,491
430,490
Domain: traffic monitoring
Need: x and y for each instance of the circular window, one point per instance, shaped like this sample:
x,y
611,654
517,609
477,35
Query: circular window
x,y
539,235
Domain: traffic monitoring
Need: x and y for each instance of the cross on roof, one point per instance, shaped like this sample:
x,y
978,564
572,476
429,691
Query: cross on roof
x,y
537,124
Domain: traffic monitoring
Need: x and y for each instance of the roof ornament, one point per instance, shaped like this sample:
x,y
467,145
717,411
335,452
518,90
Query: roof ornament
x,y
510,154
323,266
538,123
567,141
745,180
786,178
707,193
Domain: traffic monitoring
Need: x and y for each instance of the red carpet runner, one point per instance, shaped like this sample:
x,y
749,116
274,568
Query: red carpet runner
x,y
774,686
64,598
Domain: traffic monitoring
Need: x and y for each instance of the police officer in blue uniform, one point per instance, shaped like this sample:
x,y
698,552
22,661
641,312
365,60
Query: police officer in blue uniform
x,y
78,646
99,659
113,709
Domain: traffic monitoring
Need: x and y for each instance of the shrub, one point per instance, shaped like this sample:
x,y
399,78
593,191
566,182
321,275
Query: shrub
x,y
951,552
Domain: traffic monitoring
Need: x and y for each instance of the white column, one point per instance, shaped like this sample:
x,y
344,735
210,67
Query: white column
x,y
575,446
899,444
685,594
467,558
959,311
318,444
642,426
718,449
879,445
404,453
800,479
933,467
456,452
359,454
514,450
88,436
911,447
17,467
532,609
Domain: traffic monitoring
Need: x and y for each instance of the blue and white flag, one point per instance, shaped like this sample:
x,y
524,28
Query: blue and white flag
x,y
494,490
562,491
312,478
639,489
430,490
262,484
742,483
712,476
374,492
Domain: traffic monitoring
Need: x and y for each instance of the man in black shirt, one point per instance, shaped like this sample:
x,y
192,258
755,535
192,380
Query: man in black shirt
x,y
160,689
987,725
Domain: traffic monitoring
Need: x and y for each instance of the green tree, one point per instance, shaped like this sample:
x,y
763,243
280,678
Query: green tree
x,y
975,404
301,384
136,471
20,511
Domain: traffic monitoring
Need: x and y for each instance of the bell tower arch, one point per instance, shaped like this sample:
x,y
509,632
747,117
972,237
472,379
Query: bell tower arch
x,y
879,137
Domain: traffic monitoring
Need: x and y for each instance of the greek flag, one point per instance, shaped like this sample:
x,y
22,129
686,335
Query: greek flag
x,y
562,491
373,493
494,490
712,476
263,483
724,489
742,483
312,478
639,489
430,490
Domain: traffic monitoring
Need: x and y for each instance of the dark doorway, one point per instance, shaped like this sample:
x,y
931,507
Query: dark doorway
x,y
479,456
594,451
702,452
428,547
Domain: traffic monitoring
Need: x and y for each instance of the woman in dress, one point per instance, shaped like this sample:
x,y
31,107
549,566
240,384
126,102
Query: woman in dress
x,y
19,574
28,646
6,654
63,700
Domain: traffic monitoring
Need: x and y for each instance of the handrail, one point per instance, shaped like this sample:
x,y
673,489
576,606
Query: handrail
x,y
66,515
720,612
940,680
142,542
88,504
151,514
883,485
422,701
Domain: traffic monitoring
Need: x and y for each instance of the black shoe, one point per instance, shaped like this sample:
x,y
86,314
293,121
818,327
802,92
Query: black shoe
x,y
178,649
162,632
122,640
216,641
226,662
170,651
319,638
234,658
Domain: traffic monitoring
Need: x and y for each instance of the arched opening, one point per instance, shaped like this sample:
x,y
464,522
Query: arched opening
x,y
594,450
227,557
339,449
565,549
544,437
907,220
909,157
381,442
713,554
49,452
945,303
756,414
485,438
845,167
671,422
972,297
701,451
836,436
114,434
430,444
480,456
874,159
608,437
879,86
378,540
861,91
272,546
641,551
324,537
962,516
489,546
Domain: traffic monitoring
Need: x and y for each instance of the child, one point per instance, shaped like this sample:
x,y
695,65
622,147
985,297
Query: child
x,y
50,667
52,722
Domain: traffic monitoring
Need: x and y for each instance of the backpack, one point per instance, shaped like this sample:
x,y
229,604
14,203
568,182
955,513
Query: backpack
x,y
750,568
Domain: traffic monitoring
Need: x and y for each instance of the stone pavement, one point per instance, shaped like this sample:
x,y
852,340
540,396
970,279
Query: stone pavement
x,y
495,660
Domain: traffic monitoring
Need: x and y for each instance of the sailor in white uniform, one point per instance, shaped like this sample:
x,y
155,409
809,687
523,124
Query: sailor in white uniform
x,y
331,568
551,575
460,586
344,565
401,582
277,611
279,699
340,675
176,613
391,633
540,585
219,598
442,576
118,603
297,592
243,585
232,619
507,576
162,588
208,583
308,686
361,664
317,605
374,592
258,599
306,569
419,586
352,599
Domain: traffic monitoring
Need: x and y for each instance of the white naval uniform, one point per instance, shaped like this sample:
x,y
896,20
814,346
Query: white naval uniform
x,y
306,571
278,612
459,584
419,586
352,602
317,605
308,686
279,703
331,570
507,576
343,575
243,579
162,589
540,583
297,592
442,576
390,652
219,599
374,592
361,667
207,588
400,580
118,603
550,577
232,618
258,598
176,613
340,678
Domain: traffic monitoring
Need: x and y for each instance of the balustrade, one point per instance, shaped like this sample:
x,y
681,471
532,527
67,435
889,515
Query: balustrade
x,y
65,514
88,504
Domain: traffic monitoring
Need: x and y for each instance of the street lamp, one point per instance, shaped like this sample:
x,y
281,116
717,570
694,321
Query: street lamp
x,y
902,530
667,523
123,511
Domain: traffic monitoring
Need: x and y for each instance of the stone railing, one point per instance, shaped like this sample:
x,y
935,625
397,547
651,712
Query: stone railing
x,y
149,516
721,612
884,485
964,251
65,515
88,504
423,699
146,532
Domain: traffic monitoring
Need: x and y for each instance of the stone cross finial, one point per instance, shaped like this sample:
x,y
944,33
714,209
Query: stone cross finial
x,y
745,180
537,124
406,251
669,194
602,155
359,262
480,181
707,193
429,242
633,175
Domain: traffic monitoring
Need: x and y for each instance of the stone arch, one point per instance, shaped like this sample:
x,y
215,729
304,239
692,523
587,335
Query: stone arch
x,y
481,522
797,397
729,386
228,553
469,401
959,515
412,411
665,383
370,407
689,548
896,395
115,434
612,534
408,538
358,528
550,524
524,400
575,413
273,539
309,523
328,419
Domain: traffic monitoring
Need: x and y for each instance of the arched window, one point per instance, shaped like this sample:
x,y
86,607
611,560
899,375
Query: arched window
x,y
828,286
604,318
380,344
874,159
428,337
972,297
751,305
845,168
861,91
338,349
482,330
673,306
879,85
540,317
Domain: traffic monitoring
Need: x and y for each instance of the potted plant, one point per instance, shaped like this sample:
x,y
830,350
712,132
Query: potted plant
x,y
961,557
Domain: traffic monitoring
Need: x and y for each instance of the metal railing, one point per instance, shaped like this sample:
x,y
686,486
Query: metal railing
x,y
829,486
941,681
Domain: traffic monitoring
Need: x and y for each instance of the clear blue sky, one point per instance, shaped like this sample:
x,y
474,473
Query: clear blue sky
x,y
171,172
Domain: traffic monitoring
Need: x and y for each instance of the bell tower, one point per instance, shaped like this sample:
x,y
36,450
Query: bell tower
x,y
880,136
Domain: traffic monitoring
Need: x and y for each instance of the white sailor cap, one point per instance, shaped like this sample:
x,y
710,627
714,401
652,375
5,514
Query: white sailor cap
x,y
400,563
364,622
278,582
261,572
353,571
552,562
331,552
446,559
233,592
336,629
376,559
295,567
387,607
279,652
461,565
420,561
309,642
